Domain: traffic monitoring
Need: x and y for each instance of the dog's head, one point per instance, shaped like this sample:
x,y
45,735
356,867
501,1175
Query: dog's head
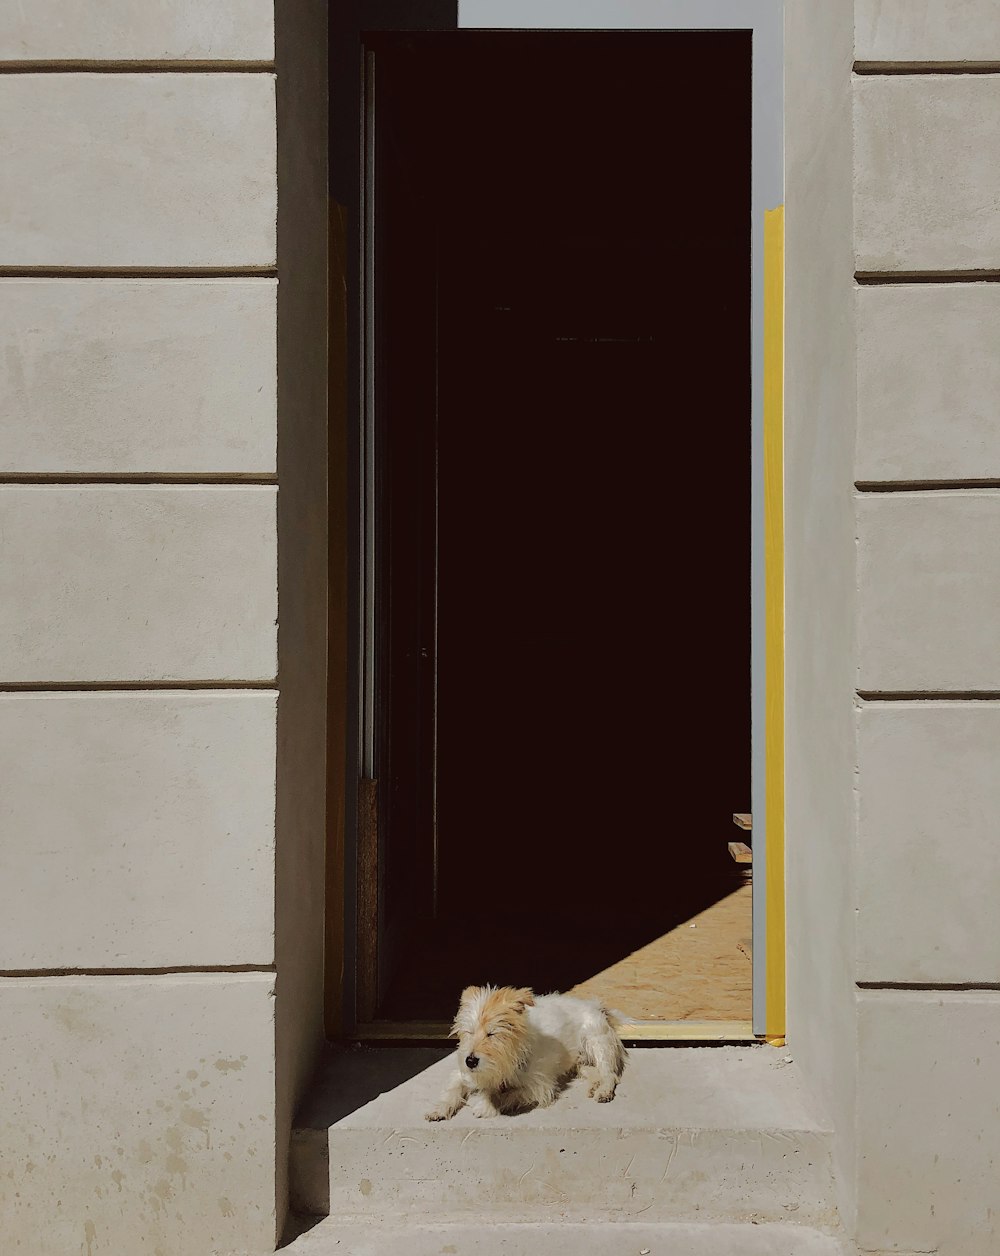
x,y
492,1033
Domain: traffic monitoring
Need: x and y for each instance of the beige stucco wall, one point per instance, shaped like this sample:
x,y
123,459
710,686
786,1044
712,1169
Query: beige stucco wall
x,y
927,31
927,208
210,31
303,521
172,378
162,480
893,670
820,565
163,566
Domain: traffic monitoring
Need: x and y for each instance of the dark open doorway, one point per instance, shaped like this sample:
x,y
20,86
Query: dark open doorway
x,y
560,411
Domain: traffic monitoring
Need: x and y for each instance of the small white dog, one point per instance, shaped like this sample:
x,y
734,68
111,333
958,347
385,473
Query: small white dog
x,y
516,1051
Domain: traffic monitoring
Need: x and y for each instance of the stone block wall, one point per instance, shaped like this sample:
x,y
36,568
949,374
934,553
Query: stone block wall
x,y
143,369
927,253
163,612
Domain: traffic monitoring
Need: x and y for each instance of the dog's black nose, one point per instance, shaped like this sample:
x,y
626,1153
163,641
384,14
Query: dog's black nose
x,y
472,1060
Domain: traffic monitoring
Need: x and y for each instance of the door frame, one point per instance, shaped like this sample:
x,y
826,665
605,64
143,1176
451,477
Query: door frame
x,y
764,20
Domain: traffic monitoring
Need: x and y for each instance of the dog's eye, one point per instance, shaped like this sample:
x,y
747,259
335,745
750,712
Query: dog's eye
x,y
490,1033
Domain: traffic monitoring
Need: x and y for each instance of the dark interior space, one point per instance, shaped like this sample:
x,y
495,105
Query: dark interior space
x,y
562,382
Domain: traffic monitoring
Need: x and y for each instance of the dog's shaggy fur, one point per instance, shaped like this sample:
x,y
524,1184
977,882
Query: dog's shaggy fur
x,y
516,1051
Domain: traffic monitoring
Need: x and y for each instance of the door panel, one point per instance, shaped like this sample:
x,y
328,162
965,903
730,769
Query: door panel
x,y
563,350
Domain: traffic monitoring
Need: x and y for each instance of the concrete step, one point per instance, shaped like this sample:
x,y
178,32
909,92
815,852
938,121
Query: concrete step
x,y
334,1238
694,1134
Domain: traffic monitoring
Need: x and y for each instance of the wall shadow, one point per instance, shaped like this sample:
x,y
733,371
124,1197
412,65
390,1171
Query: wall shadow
x,y
351,1076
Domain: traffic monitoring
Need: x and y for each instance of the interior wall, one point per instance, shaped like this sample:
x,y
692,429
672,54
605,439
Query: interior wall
x,y
820,561
301,808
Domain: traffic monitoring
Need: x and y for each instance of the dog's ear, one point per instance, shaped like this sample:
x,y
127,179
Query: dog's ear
x,y
523,998
463,1016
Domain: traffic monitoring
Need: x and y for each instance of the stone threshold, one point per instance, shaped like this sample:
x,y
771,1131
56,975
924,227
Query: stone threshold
x,y
712,1134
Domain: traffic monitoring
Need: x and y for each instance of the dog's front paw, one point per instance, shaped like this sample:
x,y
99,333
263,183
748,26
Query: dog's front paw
x,y
438,1114
483,1107
603,1092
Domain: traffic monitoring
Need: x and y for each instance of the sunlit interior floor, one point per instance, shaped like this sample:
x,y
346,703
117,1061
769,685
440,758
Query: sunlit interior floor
x,y
698,971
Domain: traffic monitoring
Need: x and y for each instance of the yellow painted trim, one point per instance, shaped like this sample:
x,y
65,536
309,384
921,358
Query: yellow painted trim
x,y
774,602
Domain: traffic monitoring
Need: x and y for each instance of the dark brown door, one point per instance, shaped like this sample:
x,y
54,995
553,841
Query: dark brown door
x,y
563,353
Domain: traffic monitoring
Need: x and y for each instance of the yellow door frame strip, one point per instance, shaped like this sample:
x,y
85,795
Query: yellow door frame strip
x,y
774,616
